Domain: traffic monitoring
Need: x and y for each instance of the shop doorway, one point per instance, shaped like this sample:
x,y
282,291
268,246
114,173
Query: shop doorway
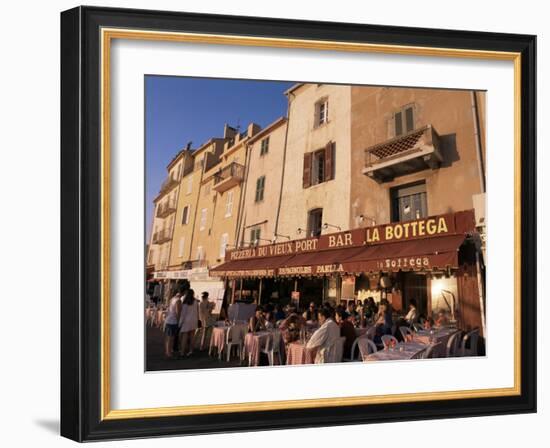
x,y
415,286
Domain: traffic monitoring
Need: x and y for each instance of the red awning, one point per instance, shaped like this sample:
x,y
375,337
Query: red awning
x,y
420,254
252,267
427,253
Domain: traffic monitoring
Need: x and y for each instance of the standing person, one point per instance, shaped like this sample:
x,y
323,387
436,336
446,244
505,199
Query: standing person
x,y
171,324
189,322
325,337
205,316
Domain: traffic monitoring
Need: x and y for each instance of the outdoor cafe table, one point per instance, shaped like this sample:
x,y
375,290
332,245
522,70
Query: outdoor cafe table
x,y
219,334
440,335
254,342
297,353
403,350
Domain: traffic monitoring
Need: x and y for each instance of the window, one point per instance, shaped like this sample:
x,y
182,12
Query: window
x,y
319,166
260,185
189,184
264,146
403,121
185,214
203,219
255,236
315,222
200,253
229,204
321,112
223,244
151,256
181,247
409,202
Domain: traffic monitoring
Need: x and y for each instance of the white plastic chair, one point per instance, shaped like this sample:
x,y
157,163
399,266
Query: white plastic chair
x,y
470,339
338,350
354,348
452,345
388,339
366,347
431,351
371,332
417,326
405,331
234,338
272,347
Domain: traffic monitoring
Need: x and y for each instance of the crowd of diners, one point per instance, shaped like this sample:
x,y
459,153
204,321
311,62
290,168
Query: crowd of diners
x,y
325,323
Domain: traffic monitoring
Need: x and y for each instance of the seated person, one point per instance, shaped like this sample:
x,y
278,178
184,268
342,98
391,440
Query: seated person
x,y
346,329
441,320
412,315
291,326
257,322
325,337
311,313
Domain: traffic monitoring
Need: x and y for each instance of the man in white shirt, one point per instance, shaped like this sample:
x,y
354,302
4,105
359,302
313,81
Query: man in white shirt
x,y
412,315
325,337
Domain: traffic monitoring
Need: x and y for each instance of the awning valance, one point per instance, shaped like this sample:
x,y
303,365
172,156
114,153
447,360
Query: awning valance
x,y
435,253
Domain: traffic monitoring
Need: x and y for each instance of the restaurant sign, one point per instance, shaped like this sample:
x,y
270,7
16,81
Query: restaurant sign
x,y
448,224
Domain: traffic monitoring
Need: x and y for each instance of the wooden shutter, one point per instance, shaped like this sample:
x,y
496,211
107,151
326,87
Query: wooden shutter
x,y
329,161
306,180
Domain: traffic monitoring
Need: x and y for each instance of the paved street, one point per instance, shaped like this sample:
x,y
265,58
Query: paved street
x,y
199,360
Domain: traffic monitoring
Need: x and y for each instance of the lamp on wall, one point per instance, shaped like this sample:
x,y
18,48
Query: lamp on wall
x,y
279,235
362,219
299,230
326,225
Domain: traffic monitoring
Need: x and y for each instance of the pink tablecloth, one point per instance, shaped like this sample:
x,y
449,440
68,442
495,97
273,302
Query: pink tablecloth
x,y
441,335
253,343
297,353
217,340
403,350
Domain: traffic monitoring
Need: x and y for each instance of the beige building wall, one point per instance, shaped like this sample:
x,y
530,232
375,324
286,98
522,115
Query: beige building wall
x,y
164,216
304,136
262,214
190,197
219,226
449,188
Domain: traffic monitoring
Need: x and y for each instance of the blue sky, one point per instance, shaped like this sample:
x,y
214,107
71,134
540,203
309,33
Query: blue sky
x,y
179,110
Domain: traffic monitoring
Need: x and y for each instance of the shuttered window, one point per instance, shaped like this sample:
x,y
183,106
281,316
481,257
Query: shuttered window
x,y
229,204
181,247
264,146
319,166
223,244
403,121
260,186
203,219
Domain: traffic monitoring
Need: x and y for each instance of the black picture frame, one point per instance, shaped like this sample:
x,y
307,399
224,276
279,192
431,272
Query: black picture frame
x,y
81,224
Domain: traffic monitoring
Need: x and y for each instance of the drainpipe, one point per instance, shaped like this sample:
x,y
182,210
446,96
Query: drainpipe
x,y
480,290
477,137
276,231
196,207
242,194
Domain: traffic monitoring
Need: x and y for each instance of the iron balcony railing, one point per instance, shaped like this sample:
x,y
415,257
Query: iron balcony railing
x,y
232,171
166,209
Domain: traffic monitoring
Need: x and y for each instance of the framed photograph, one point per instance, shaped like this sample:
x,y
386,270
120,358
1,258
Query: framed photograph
x,y
277,224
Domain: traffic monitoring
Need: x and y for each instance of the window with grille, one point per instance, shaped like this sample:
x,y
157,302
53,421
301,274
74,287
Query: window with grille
x,y
260,186
315,222
255,236
409,202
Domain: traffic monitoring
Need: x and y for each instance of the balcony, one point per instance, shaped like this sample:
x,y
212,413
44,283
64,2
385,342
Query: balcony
x,y
415,151
167,186
166,209
162,236
228,177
